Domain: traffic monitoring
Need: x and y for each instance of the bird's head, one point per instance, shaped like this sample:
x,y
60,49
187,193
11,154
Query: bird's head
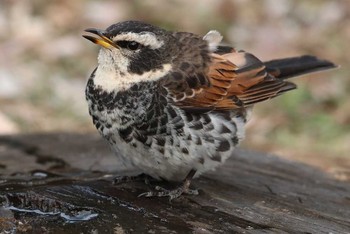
x,y
134,49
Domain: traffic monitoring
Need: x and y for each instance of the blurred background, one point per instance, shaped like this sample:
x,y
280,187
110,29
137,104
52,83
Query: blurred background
x,y
44,65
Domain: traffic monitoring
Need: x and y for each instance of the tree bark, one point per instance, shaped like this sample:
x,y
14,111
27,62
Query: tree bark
x,y
62,183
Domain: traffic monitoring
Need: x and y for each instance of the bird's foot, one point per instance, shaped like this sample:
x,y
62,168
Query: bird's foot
x,y
127,179
184,188
171,193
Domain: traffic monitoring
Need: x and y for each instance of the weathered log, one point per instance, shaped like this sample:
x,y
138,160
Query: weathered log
x,y
62,183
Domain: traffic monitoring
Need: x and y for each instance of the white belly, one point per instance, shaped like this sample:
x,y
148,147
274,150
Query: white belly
x,y
177,159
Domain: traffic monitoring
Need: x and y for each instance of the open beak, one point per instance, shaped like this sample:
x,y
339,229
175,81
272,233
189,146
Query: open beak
x,y
102,40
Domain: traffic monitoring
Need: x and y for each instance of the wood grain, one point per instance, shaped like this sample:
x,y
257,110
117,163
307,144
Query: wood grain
x,y
70,175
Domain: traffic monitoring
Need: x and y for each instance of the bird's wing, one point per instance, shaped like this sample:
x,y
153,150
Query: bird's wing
x,y
233,80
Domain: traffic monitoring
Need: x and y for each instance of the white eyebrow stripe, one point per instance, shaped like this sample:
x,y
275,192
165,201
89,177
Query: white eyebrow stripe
x,y
144,38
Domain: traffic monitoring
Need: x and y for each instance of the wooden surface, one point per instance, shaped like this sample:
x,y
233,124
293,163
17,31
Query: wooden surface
x,y
61,183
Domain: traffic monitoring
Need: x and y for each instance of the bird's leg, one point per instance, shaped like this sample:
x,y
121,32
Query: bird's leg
x,y
127,179
174,193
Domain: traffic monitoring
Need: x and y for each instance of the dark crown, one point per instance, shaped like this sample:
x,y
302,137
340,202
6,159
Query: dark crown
x,y
135,27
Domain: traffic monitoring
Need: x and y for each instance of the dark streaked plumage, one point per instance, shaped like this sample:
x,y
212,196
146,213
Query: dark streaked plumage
x,y
174,104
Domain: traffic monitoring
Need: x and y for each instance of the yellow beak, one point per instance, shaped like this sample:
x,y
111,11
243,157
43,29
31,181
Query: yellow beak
x,y
102,41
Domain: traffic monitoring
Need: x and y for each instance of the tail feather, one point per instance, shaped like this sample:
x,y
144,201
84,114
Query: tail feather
x,y
296,66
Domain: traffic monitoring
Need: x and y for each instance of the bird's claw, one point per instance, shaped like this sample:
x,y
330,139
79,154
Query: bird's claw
x,y
172,194
126,179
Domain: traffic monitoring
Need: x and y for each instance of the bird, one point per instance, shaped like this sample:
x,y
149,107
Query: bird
x,y
175,104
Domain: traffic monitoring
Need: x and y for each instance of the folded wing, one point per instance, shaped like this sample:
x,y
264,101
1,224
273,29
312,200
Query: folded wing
x,y
237,79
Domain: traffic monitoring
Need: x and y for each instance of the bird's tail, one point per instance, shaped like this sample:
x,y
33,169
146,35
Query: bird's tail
x,y
255,86
296,66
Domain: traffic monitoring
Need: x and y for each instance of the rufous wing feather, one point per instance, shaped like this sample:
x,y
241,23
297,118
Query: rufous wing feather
x,y
234,80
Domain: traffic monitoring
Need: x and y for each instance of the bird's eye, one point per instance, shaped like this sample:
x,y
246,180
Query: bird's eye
x,y
131,45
